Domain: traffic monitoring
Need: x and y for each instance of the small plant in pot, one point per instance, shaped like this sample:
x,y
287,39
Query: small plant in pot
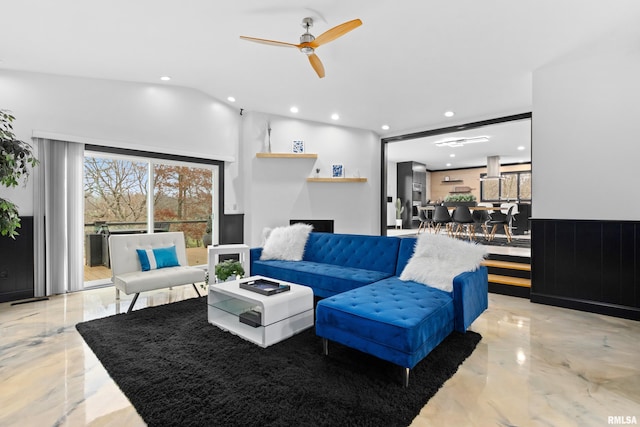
x,y
467,199
229,269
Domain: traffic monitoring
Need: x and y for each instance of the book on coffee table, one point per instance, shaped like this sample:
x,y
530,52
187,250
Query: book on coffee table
x,y
264,286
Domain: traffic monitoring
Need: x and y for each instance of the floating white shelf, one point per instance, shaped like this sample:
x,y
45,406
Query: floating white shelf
x,y
286,155
336,179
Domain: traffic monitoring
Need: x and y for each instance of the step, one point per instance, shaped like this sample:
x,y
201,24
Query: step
x,y
507,265
508,280
510,258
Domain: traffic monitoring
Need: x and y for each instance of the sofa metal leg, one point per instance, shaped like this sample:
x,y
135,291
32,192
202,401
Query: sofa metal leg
x,y
405,377
196,289
325,346
135,298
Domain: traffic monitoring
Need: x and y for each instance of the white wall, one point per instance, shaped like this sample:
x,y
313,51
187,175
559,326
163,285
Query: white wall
x,y
586,130
276,190
157,118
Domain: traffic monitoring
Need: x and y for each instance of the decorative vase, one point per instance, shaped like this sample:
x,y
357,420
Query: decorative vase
x,y
268,137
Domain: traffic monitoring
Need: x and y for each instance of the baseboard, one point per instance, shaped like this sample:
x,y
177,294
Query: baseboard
x,y
588,305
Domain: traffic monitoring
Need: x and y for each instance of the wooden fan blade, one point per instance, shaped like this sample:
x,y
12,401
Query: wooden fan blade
x,y
317,64
336,32
271,42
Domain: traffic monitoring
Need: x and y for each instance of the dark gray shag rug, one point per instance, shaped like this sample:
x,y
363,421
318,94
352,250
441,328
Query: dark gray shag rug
x,y
178,370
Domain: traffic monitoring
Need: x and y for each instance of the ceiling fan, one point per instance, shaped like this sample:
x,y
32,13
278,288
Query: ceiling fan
x,y
308,43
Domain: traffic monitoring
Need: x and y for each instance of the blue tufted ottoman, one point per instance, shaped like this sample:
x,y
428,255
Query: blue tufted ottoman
x,y
398,321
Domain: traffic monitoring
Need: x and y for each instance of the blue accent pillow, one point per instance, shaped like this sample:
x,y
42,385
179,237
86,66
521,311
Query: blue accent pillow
x,y
152,259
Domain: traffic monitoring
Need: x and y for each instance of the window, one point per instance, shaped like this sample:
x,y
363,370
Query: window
x,y
514,186
182,200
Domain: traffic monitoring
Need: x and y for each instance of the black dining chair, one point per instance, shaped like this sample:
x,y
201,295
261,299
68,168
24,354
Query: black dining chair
x,y
480,218
442,216
425,221
463,220
497,219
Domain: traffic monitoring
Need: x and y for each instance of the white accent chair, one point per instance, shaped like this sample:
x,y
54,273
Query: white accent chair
x,y
504,208
127,274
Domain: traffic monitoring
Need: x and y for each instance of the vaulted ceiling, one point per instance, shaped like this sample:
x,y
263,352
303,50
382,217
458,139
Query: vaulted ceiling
x,y
408,63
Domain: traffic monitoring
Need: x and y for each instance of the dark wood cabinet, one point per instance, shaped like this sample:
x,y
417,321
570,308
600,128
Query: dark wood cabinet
x,y
411,188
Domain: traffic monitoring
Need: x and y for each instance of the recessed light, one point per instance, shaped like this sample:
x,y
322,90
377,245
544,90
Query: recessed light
x,y
335,116
448,164
165,78
521,148
293,109
231,99
449,114
385,127
452,155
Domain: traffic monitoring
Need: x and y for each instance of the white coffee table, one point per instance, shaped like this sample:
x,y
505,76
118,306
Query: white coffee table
x,y
283,314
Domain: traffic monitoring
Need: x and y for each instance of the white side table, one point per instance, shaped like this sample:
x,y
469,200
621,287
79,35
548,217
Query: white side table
x,y
215,252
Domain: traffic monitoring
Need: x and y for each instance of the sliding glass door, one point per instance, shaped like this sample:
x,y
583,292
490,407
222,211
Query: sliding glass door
x,y
127,194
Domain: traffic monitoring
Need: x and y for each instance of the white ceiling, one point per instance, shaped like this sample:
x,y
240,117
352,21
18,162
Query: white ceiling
x,y
504,141
408,63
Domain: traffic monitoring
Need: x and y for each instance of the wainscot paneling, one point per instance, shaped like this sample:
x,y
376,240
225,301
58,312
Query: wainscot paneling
x,y
16,263
590,265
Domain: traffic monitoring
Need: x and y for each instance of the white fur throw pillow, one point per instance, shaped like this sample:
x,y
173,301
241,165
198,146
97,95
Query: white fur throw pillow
x,y
437,259
286,243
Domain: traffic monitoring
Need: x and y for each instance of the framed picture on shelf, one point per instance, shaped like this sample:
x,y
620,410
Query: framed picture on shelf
x,y
298,147
337,170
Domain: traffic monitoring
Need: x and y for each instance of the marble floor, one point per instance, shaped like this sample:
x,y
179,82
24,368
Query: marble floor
x,y
535,366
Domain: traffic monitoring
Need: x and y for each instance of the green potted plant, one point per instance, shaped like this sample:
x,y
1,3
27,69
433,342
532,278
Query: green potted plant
x,y
399,211
467,199
229,268
16,159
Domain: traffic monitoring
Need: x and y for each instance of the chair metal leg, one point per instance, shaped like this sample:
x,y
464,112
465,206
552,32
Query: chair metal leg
x,y
196,289
325,346
135,298
117,294
405,377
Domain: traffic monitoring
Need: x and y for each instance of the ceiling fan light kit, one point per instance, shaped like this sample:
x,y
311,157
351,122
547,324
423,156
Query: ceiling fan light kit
x,y
309,43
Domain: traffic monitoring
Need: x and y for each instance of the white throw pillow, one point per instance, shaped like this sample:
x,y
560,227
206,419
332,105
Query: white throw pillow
x,y
437,259
286,243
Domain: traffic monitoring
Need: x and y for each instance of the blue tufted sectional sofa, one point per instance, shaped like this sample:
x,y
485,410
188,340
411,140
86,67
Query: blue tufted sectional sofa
x,y
366,306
